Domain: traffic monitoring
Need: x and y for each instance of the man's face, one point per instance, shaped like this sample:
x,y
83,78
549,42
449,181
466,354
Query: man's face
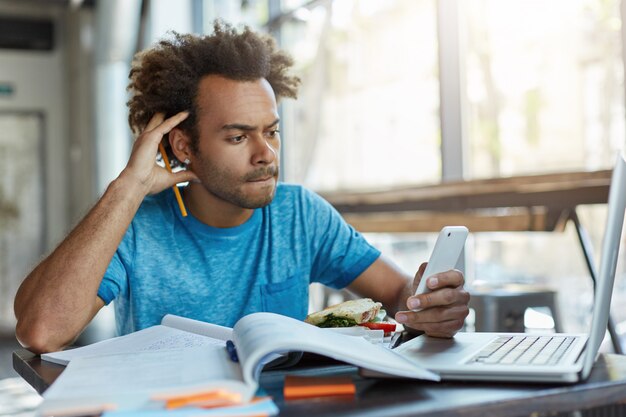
x,y
237,158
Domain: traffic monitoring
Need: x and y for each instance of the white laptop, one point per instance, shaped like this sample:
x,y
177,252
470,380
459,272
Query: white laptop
x,y
556,357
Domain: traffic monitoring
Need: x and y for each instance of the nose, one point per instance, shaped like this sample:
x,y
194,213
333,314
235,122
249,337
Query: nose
x,y
264,152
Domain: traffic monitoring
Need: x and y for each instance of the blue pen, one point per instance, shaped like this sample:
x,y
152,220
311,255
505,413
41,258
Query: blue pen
x,y
232,351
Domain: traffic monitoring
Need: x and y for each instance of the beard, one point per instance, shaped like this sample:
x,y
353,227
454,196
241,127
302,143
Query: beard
x,y
230,187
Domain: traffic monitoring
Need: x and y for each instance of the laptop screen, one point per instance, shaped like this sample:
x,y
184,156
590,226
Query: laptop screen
x,y
608,263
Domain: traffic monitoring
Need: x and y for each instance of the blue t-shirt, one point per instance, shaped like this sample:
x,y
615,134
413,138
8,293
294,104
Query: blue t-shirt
x,y
167,263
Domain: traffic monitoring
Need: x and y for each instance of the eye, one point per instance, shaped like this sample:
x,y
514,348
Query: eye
x,y
273,133
237,139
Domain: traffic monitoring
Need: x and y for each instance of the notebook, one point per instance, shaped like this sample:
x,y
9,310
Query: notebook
x,y
555,357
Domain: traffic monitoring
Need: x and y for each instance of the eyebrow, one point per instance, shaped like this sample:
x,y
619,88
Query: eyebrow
x,y
247,128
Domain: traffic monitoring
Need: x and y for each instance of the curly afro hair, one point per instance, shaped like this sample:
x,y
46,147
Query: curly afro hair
x,y
165,78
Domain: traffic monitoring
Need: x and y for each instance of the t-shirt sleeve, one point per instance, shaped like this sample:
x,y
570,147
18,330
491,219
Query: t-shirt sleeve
x,y
340,253
115,280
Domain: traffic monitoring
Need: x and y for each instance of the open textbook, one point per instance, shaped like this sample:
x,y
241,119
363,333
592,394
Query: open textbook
x,y
181,332
146,380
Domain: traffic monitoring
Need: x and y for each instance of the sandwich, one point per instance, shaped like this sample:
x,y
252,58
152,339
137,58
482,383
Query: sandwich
x,y
361,312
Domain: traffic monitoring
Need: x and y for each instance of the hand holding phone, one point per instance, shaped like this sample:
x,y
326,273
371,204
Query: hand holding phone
x,y
445,254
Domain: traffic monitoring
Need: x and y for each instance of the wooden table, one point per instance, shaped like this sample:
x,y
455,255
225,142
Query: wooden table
x,y
524,203
603,393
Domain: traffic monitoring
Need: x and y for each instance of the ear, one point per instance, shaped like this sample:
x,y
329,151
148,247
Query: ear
x,y
181,144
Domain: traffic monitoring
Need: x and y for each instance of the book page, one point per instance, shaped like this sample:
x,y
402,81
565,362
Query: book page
x,y
130,381
198,327
153,338
260,334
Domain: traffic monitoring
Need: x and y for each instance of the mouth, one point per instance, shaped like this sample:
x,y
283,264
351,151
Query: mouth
x,y
263,179
267,181
263,175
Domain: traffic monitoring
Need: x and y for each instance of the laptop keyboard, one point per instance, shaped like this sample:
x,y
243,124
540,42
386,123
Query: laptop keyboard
x,y
525,350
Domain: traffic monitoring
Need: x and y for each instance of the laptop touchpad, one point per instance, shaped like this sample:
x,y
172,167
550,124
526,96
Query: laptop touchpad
x,y
444,351
435,345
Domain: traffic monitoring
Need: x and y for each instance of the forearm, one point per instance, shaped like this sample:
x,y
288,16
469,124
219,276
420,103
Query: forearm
x,y
58,299
384,282
401,297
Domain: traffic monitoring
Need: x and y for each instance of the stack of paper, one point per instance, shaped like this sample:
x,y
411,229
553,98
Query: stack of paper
x,y
263,406
173,381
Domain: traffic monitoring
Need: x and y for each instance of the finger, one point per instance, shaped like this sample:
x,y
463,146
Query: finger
x,y
445,329
154,136
440,297
421,269
418,276
170,123
433,315
184,176
156,120
452,278
438,314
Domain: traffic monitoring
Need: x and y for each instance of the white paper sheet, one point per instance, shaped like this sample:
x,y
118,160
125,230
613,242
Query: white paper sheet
x,y
153,338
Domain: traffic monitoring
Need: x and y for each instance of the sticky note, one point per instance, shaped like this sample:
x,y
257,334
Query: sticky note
x,y
297,387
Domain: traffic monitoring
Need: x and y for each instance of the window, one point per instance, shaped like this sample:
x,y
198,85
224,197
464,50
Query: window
x,y
544,92
544,89
367,113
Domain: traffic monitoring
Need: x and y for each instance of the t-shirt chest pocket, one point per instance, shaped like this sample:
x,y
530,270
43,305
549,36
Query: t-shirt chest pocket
x,y
289,297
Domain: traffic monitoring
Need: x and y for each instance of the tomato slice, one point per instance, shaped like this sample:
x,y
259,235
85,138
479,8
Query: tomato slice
x,y
380,325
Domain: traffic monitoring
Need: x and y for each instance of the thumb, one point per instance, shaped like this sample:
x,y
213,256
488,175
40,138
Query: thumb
x,y
184,176
419,275
421,269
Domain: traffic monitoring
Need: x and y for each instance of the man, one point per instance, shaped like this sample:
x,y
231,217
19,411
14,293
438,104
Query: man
x,y
249,243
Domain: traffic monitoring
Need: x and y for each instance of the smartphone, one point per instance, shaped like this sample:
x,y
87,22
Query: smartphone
x,y
445,254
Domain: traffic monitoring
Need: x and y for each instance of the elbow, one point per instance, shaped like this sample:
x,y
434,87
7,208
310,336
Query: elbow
x,y
36,337
27,332
34,329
